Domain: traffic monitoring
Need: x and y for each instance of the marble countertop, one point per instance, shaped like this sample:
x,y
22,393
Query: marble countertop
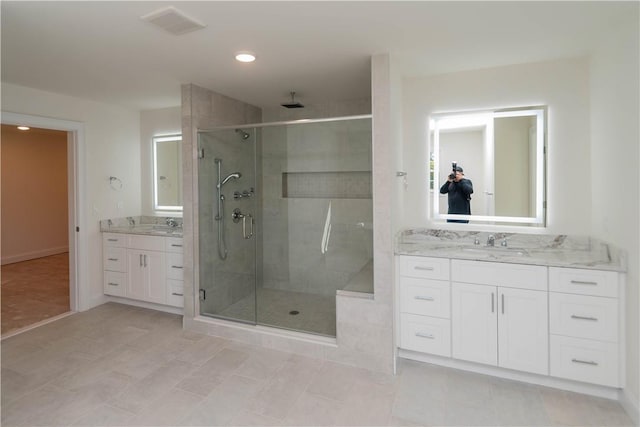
x,y
147,225
546,250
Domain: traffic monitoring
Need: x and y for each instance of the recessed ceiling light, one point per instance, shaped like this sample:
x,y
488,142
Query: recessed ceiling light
x,y
245,57
24,127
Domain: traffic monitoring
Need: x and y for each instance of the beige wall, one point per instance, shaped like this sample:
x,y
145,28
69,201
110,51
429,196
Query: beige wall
x,y
34,194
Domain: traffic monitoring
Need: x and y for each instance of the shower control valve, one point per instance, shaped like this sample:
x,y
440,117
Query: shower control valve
x,y
243,194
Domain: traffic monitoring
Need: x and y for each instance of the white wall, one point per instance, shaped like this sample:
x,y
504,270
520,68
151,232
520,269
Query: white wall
x,y
112,148
561,85
165,121
615,160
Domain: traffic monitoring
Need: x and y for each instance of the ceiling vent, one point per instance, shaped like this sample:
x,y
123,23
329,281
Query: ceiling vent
x,y
173,21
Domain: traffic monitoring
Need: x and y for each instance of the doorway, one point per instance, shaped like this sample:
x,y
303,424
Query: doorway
x,y
67,266
34,224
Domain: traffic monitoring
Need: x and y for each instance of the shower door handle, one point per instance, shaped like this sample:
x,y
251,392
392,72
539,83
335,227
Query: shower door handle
x,y
237,216
244,226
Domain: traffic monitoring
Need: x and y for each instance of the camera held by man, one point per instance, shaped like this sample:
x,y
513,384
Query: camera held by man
x,y
452,175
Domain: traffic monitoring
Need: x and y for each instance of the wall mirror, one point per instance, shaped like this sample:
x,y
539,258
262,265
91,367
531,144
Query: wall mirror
x,y
167,173
502,152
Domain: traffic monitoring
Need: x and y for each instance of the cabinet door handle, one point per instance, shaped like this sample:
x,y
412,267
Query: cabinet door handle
x,y
574,316
582,282
502,298
176,294
423,268
112,240
176,266
585,362
492,303
176,246
112,259
113,284
425,335
420,297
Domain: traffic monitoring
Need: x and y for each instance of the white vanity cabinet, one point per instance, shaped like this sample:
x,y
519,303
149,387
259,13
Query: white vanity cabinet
x,y
144,268
174,270
114,261
500,315
585,325
425,305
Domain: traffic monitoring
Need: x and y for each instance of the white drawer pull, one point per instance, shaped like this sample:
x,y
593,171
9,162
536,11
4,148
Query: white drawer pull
x,y
176,266
424,268
176,246
420,297
582,282
176,294
573,316
585,362
112,259
425,335
113,284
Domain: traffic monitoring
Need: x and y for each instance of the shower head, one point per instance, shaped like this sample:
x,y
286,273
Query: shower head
x,y
243,134
293,103
235,175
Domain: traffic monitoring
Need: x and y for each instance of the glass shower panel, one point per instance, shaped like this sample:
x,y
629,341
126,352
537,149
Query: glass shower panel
x,y
307,187
227,227
317,209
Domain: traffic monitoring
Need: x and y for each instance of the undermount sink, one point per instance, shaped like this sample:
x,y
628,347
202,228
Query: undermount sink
x,y
495,250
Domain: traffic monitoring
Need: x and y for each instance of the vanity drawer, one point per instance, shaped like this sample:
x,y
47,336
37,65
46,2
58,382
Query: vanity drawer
x,y
520,276
425,334
583,316
425,297
114,239
146,243
585,360
175,293
583,282
424,267
174,266
115,259
115,283
173,244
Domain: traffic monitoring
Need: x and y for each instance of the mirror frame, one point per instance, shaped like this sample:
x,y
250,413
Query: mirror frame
x,y
154,141
447,121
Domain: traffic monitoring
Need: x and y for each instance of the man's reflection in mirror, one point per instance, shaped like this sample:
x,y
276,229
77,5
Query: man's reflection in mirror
x,y
459,190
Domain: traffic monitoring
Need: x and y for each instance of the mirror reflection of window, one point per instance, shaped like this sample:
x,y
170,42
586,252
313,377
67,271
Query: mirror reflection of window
x,y
502,153
167,177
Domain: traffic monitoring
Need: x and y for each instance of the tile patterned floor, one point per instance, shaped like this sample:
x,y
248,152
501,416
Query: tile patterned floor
x,y
118,365
33,291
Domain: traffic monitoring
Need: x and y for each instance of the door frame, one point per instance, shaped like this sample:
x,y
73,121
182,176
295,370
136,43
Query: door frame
x,y
76,179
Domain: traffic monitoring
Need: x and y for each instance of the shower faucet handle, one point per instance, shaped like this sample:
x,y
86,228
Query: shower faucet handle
x,y
245,193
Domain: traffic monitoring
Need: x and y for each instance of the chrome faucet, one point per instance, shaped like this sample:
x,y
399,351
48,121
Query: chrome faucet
x,y
171,222
132,222
491,240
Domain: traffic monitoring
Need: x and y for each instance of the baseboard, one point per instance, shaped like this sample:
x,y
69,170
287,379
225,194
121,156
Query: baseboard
x,y
630,404
144,304
543,380
33,255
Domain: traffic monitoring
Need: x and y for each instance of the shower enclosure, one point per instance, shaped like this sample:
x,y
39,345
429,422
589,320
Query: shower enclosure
x,y
285,221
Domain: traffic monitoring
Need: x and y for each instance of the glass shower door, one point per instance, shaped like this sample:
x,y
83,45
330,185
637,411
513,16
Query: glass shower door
x,y
227,224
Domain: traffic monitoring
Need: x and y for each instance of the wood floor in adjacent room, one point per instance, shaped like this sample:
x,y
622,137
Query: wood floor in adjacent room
x,y
34,291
